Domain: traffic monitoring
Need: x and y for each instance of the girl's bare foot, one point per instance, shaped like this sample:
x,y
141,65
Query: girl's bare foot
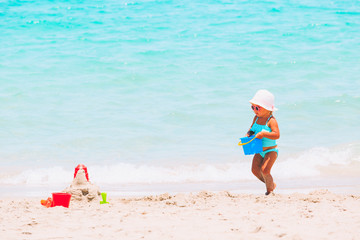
x,y
268,192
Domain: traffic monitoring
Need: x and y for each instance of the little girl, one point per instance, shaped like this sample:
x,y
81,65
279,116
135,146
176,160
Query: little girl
x,y
265,127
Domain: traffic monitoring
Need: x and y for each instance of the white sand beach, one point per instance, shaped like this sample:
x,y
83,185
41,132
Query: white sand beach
x,y
319,214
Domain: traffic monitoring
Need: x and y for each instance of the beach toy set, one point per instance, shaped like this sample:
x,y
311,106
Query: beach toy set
x,y
251,145
58,199
81,179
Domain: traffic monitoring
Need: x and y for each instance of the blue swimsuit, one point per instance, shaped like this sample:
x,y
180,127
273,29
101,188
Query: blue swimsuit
x,y
267,142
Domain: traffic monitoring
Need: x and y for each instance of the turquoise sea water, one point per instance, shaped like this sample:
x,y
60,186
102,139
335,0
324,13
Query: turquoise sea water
x,y
157,91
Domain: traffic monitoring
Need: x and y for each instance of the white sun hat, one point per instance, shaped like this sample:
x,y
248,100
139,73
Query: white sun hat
x,y
265,99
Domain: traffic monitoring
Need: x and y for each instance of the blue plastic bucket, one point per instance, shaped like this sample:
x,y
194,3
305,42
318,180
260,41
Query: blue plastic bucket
x,y
253,147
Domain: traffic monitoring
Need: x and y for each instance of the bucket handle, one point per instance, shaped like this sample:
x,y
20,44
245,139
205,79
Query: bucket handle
x,y
242,144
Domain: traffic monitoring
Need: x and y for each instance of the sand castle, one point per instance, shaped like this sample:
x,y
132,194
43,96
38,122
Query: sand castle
x,y
81,188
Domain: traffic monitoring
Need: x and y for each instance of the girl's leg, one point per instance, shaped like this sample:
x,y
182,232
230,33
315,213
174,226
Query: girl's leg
x,y
267,164
256,167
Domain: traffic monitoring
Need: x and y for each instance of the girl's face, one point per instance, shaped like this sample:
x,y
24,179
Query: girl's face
x,y
259,111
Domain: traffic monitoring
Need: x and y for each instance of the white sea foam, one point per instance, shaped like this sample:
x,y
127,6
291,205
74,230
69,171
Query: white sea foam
x,y
310,163
307,164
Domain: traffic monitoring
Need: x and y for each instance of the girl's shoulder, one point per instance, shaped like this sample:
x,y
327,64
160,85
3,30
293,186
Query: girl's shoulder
x,y
272,117
272,120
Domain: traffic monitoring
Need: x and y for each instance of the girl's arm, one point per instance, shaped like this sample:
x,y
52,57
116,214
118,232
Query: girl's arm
x,y
248,134
275,132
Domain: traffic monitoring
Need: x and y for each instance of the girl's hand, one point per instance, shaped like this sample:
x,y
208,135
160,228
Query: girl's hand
x,y
260,135
250,133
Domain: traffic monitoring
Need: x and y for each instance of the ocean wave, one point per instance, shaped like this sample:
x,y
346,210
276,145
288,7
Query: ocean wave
x,y
310,163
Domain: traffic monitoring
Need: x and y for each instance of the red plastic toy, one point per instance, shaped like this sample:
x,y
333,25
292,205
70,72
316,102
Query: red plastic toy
x,y
81,166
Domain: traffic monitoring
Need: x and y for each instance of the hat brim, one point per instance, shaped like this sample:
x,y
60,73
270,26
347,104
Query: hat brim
x,y
262,105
